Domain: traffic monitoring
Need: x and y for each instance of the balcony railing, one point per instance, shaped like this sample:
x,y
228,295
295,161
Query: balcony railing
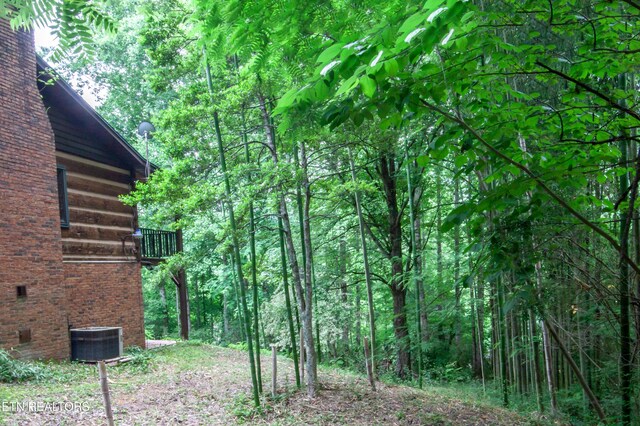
x,y
157,244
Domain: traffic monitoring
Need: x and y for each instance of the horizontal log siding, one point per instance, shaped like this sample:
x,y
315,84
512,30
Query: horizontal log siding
x,y
98,219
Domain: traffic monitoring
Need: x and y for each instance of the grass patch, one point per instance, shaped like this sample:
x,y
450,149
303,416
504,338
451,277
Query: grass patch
x,y
198,383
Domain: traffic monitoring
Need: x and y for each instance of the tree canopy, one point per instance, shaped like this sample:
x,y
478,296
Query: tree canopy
x,y
456,181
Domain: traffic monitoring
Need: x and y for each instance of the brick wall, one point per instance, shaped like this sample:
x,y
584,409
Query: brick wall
x,y
106,295
30,247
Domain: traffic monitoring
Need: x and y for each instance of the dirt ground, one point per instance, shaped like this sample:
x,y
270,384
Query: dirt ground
x,y
205,385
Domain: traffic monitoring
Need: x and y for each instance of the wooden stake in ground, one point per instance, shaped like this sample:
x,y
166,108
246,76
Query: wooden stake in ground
x,y
104,384
274,370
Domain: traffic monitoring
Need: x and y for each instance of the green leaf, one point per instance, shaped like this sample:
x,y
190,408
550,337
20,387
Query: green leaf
x,y
460,160
330,53
457,216
391,67
368,86
412,22
348,85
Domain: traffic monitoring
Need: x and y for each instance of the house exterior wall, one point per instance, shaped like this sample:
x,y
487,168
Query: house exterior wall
x,y
102,276
78,276
30,239
99,223
106,295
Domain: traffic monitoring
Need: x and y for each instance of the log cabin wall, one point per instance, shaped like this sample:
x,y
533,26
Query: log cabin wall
x,y
102,274
100,225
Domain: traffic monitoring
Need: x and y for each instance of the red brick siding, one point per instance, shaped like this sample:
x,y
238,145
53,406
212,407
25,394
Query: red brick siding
x,y
30,247
106,295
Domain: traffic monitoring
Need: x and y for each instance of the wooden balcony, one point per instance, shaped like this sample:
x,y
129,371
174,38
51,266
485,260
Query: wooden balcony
x,y
157,245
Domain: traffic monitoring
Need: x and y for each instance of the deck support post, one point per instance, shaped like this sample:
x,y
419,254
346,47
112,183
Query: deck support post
x,y
182,292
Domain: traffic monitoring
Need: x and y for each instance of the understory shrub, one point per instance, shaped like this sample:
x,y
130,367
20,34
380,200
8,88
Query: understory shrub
x,y
14,370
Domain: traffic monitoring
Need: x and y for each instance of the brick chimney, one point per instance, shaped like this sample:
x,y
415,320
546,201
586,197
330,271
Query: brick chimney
x,y
33,317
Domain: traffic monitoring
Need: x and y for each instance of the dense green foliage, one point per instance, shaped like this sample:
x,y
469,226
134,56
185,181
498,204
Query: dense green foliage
x,y
13,370
512,123
72,22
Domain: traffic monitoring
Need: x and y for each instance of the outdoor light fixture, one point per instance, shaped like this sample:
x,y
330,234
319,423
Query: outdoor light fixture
x,y
136,236
146,130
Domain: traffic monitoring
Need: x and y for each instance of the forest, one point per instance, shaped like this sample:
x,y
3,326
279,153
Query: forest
x,y
424,192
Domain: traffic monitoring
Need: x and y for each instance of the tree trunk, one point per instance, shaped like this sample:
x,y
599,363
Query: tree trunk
x,y
546,346
415,250
225,315
439,260
367,276
306,321
342,274
238,260
576,370
623,287
456,274
183,294
198,304
292,333
252,246
533,334
309,344
165,309
424,321
398,289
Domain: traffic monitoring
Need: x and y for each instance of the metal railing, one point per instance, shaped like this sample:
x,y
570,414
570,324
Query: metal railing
x,y
157,244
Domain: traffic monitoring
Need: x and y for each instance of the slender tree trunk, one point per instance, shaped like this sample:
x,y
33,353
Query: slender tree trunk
x,y
342,273
197,295
576,370
292,333
252,246
502,336
225,315
236,253
303,247
165,309
183,293
312,365
306,320
439,260
358,325
533,334
424,323
625,329
416,269
367,274
236,247
546,345
478,334
456,274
